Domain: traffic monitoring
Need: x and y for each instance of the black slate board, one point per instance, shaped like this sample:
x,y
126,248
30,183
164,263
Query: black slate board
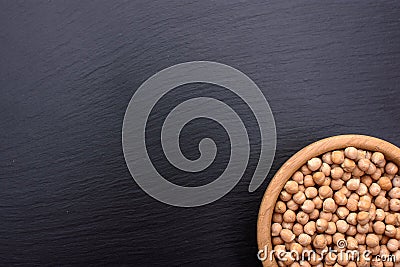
x,y
68,70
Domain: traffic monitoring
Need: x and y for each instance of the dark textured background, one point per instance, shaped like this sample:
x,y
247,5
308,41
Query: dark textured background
x,y
69,68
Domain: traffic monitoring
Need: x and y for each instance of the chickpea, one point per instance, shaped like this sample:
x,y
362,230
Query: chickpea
x,y
363,217
352,218
327,181
393,245
304,239
314,214
381,202
378,158
288,259
342,260
302,188
340,198
391,168
329,205
311,192
315,261
394,193
390,230
280,207
357,172
376,263
374,189
397,236
360,238
287,225
371,169
352,231
396,181
285,196
277,241
325,215
296,247
337,173
327,158
354,196
277,217
331,228
337,157
352,204
351,153
342,212
363,229
382,193
319,241
326,169
280,248
292,187
317,202
314,164
362,190
305,264
337,184
305,170
292,205
352,243
368,155
342,226
319,178
337,237
394,205
297,229
375,250
330,258
372,212
377,174
287,235
384,239
276,229
289,216
345,191
308,181
321,225
379,227
390,219
365,203
397,256
346,176
298,177
367,180
310,228
363,164
385,183
372,240
308,206
299,198
384,251
353,184
348,165
302,217
362,154
325,192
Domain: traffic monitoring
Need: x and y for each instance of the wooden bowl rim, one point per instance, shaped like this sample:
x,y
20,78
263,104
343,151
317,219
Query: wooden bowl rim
x,y
315,149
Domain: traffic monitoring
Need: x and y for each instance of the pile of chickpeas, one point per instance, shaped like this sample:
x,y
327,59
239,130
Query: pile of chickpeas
x,y
350,196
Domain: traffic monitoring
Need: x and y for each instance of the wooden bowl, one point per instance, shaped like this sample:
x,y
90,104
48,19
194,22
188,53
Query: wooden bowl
x,y
318,148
